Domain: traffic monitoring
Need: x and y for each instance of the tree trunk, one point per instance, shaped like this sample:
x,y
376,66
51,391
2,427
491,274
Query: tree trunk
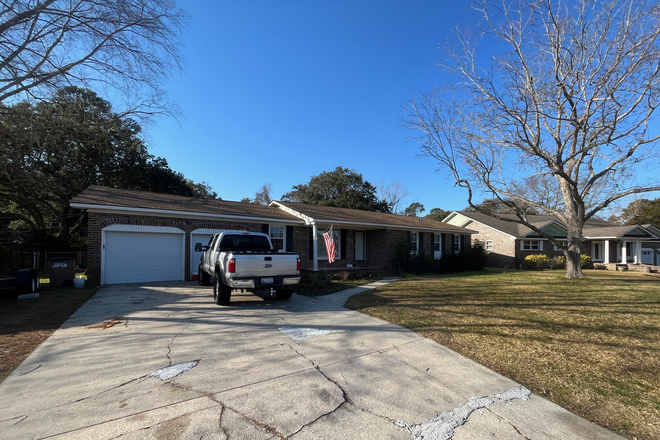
x,y
573,266
573,253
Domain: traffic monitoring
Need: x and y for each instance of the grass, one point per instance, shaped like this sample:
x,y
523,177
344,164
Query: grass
x,y
590,345
319,284
26,323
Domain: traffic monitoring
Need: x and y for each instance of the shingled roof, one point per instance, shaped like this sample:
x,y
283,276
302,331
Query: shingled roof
x,y
593,227
331,214
99,197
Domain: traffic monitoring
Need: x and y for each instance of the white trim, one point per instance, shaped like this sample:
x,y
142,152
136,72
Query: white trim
x,y
492,245
143,229
177,214
307,220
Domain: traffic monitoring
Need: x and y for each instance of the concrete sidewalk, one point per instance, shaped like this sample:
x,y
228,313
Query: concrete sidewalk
x,y
175,366
340,298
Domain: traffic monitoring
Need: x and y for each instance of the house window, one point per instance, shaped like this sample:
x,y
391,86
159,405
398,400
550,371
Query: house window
x,y
456,245
437,243
597,251
321,251
414,244
561,243
277,237
488,244
531,245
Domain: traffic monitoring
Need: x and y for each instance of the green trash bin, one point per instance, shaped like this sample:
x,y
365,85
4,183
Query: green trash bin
x,y
61,271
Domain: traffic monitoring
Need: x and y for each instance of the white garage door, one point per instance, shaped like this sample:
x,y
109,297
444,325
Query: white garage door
x,y
133,257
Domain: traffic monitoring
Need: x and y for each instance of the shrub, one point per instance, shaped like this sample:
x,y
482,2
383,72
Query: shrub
x,y
472,259
558,262
585,260
343,275
537,262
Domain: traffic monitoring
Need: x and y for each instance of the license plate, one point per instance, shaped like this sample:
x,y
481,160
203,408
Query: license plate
x,y
267,281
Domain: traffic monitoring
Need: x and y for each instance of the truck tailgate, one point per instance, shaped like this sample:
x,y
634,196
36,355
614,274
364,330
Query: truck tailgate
x,y
265,265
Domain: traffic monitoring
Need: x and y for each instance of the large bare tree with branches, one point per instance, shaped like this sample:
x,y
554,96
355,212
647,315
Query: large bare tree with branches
x,y
566,99
125,46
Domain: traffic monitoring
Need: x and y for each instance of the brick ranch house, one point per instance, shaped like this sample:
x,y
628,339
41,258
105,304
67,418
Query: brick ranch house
x,y
137,236
606,243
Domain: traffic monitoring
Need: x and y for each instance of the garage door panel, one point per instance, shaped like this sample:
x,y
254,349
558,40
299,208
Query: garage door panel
x,y
132,257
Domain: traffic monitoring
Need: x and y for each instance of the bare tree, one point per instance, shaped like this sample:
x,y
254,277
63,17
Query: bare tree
x,y
125,46
263,196
567,98
393,194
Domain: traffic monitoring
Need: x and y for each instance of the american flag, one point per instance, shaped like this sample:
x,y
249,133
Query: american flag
x,y
329,238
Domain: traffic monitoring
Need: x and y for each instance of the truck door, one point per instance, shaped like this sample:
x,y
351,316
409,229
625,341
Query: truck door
x,y
209,256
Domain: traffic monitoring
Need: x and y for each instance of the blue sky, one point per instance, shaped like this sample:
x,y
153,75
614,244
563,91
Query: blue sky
x,y
277,92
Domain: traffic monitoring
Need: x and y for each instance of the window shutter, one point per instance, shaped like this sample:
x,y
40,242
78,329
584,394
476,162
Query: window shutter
x,y
264,228
462,241
442,243
342,244
540,245
289,239
420,237
311,244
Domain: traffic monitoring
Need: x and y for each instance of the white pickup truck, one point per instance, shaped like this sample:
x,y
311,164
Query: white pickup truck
x,y
247,260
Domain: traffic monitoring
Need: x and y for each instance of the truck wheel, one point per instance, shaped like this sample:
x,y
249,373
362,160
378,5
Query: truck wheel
x,y
203,278
284,294
221,293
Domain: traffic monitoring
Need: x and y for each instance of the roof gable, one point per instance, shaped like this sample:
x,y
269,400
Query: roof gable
x,y
553,229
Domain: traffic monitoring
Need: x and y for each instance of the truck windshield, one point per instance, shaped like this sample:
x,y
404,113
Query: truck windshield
x,y
245,243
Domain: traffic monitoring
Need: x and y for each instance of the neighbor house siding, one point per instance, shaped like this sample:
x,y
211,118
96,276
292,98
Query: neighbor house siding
x,y
504,252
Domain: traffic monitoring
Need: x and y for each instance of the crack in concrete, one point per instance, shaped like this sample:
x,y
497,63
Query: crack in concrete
x,y
509,422
28,372
443,426
169,346
346,399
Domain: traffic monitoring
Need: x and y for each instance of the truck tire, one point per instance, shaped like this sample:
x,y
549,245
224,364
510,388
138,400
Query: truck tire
x,y
221,293
203,278
284,293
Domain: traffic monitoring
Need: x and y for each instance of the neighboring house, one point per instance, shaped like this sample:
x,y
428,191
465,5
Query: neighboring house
x,y
137,236
509,243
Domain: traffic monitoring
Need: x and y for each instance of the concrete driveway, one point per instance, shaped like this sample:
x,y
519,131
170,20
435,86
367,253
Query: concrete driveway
x,y
259,369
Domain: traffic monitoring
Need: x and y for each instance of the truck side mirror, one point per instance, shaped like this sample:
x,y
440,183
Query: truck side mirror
x,y
200,248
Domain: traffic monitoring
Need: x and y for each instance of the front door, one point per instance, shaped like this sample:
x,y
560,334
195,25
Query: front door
x,y
359,245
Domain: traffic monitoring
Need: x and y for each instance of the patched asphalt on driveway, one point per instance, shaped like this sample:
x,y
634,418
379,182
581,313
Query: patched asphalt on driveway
x,y
175,366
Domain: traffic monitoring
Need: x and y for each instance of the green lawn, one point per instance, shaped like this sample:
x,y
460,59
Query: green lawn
x,y
591,345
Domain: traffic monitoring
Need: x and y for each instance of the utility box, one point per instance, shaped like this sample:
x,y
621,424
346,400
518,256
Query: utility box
x,y
61,271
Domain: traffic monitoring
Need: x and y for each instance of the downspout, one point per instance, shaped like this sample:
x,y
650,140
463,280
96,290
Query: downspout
x,y
315,246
